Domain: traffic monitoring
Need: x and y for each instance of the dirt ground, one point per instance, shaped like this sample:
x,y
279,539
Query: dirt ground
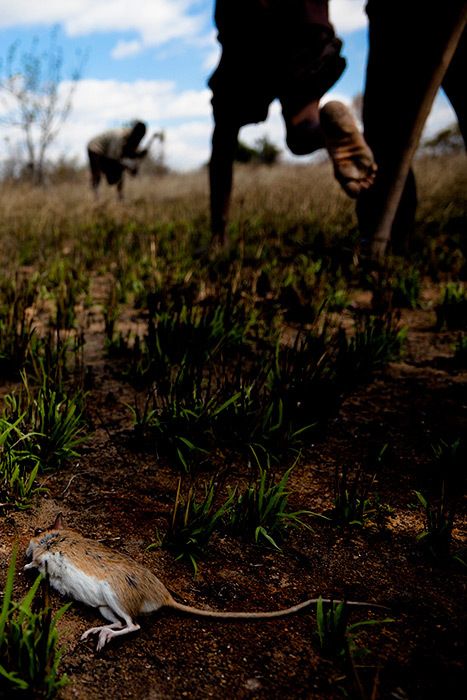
x,y
121,496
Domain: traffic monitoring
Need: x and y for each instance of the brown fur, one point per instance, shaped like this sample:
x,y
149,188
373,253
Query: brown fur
x,y
133,583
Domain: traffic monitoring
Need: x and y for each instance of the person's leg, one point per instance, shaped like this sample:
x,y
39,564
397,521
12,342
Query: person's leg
x,y
95,168
241,95
308,64
311,65
224,145
304,133
406,42
120,189
391,83
114,172
233,107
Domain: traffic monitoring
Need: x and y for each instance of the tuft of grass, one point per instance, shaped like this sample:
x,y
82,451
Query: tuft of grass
x,y
29,653
355,503
460,350
331,627
53,418
337,638
405,285
339,641
301,385
16,327
377,340
18,467
182,424
192,336
261,513
352,504
440,509
292,393
451,312
66,285
192,524
437,534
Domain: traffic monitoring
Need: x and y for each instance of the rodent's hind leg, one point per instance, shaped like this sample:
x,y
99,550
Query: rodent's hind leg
x,y
107,633
108,614
96,630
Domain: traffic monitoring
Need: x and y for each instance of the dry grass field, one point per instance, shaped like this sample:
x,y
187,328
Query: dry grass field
x,y
246,425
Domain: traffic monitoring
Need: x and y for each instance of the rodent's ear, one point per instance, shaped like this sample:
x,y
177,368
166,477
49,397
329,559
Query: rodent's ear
x,y
58,524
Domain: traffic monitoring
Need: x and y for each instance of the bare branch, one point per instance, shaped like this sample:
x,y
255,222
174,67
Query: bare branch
x,y
31,95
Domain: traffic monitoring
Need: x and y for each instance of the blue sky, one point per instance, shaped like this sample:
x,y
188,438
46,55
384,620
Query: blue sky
x,y
151,59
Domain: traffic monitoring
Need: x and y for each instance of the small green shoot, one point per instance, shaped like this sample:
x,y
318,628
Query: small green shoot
x,y
336,636
352,503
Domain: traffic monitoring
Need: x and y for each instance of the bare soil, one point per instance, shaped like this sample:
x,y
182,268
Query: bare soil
x,y
120,495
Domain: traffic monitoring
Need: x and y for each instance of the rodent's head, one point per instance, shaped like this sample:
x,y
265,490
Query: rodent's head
x,y
40,541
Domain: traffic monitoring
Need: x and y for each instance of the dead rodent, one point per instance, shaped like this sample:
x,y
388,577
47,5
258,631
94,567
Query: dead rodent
x,y
122,589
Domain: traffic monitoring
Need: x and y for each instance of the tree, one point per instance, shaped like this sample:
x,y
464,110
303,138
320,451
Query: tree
x,y
448,140
264,151
34,99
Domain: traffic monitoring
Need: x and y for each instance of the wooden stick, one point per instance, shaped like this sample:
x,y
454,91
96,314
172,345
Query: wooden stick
x,y
153,137
383,229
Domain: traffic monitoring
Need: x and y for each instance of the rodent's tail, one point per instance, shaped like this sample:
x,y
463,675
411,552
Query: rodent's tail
x,y
189,610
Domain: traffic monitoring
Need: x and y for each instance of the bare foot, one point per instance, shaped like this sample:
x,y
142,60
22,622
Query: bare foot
x,y
354,165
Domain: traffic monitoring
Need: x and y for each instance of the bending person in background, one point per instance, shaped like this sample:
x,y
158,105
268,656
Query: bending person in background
x,y
285,49
113,152
406,44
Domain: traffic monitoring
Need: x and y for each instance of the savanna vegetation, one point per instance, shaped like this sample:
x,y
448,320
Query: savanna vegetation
x,y
247,423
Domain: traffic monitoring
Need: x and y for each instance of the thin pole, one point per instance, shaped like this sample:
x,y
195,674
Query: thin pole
x,y
383,229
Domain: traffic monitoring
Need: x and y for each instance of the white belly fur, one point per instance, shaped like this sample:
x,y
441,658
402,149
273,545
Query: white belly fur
x,y
70,581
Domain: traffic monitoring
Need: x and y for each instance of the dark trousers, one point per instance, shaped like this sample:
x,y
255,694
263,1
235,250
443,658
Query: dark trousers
x,y
101,165
272,48
407,38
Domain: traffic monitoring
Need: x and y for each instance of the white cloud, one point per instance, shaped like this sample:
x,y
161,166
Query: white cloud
x,y
188,145
123,49
154,100
347,15
155,22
